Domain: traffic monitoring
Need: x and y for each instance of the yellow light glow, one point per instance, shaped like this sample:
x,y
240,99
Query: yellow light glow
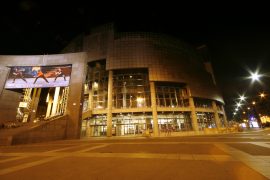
x,y
265,119
95,85
48,97
262,95
140,100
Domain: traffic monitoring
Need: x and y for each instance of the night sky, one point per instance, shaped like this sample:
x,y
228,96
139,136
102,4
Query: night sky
x,y
237,36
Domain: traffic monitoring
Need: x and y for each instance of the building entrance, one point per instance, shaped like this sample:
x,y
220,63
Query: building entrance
x,y
131,124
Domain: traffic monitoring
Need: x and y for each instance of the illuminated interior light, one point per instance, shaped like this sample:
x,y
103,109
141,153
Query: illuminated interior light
x,y
95,85
48,97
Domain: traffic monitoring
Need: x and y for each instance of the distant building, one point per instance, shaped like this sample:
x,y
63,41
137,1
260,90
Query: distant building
x,y
121,83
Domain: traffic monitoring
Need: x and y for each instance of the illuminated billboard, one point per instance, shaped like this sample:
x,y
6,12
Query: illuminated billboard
x,y
38,76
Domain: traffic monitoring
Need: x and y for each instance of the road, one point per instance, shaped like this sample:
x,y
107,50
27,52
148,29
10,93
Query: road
x,y
243,155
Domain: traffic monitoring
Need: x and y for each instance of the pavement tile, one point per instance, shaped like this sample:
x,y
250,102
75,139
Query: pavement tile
x,y
223,158
77,148
186,157
20,161
203,157
251,149
5,157
134,169
29,148
161,148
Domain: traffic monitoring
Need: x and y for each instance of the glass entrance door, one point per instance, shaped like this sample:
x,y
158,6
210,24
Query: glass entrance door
x,y
130,124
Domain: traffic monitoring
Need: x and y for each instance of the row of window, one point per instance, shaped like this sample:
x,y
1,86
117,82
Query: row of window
x,y
131,89
138,123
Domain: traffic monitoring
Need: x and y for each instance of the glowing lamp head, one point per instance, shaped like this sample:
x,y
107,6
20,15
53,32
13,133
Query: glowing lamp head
x,y
262,95
255,76
242,98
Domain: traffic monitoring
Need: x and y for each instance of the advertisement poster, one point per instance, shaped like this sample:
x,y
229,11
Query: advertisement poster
x,y
38,76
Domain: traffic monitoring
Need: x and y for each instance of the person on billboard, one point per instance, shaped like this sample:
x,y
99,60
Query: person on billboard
x,y
59,73
40,74
18,74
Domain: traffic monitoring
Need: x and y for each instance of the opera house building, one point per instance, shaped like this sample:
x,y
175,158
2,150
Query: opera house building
x,y
109,83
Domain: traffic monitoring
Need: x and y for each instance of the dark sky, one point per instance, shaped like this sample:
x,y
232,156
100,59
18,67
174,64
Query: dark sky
x,y
237,36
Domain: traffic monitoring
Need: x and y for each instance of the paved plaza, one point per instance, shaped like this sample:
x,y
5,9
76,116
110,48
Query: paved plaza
x,y
243,155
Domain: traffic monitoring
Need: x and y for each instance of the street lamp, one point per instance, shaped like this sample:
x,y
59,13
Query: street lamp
x,y
255,76
262,95
242,98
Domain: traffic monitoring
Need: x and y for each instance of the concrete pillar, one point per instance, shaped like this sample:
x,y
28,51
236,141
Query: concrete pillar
x,y
224,116
90,100
3,76
60,102
60,109
217,120
55,100
109,112
193,115
49,106
154,108
124,91
34,103
64,100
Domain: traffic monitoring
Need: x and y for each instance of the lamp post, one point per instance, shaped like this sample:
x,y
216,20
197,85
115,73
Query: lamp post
x,y
256,115
256,77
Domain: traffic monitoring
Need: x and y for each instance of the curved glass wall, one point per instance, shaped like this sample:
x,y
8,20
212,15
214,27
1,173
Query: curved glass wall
x,y
171,95
175,122
131,123
205,120
222,120
97,80
202,103
131,88
95,126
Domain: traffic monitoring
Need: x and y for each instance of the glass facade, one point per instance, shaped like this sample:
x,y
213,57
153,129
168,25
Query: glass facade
x,y
171,95
96,126
205,120
174,121
202,103
131,88
222,120
131,123
97,80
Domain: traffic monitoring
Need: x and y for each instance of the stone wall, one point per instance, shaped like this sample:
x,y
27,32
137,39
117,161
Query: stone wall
x,y
52,130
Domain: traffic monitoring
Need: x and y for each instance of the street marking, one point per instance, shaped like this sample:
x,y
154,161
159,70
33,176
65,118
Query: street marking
x,y
61,149
251,161
92,148
13,159
27,165
258,163
261,144
52,153
195,157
